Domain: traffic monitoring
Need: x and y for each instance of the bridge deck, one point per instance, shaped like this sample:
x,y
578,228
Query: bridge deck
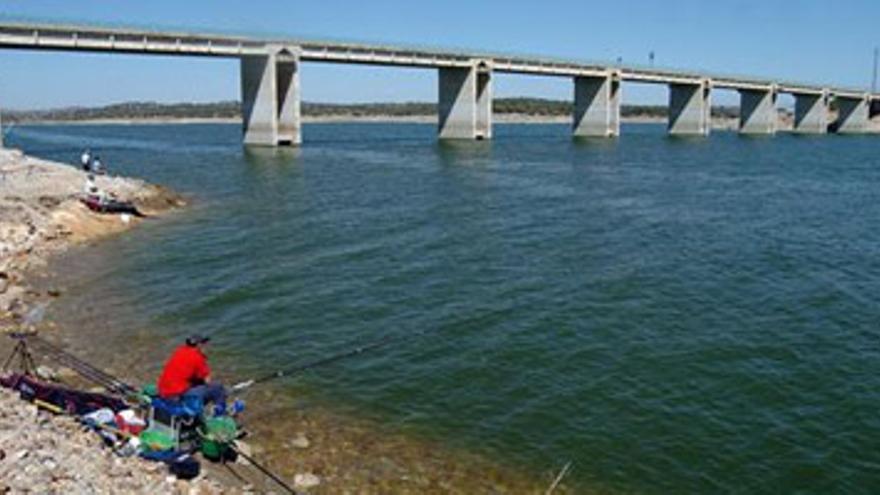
x,y
101,39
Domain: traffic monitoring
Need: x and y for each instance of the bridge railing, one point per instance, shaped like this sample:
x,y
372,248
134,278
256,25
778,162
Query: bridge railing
x,y
34,32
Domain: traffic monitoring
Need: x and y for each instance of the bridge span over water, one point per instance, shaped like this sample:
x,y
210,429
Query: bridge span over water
x,y
270,85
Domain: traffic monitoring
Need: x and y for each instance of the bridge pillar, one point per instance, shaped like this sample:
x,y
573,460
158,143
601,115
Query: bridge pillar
x,y
811,113
874,109
596,106
689,109
270,98
852,114
757,111
465,102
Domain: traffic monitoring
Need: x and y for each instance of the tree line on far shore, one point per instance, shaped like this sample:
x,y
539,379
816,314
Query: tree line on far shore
x,y
232,109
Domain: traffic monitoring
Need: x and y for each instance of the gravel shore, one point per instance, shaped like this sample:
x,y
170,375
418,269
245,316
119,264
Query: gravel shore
x,y
42,453
40,214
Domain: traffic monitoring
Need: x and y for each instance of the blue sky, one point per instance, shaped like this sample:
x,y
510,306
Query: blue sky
x,y
807,40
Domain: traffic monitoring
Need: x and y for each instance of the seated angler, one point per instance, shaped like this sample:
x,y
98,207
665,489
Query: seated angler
x,y
186,374
93,192
98,166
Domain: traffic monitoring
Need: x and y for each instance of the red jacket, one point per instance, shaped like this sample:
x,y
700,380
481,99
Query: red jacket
x,y
186,367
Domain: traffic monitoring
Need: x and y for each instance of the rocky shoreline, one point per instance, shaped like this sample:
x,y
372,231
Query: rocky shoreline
x,y
43,453
41,215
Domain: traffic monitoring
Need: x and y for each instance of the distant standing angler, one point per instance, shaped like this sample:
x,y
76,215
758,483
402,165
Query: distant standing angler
x,y
86,160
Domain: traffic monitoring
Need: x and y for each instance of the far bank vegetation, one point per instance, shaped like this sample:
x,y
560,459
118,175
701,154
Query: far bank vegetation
x,y
232,110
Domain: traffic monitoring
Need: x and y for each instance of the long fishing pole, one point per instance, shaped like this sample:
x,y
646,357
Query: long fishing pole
x,y
325,361
263,470
85,369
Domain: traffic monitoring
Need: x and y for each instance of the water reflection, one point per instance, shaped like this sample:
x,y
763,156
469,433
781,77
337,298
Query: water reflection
x,y
271,156
464,152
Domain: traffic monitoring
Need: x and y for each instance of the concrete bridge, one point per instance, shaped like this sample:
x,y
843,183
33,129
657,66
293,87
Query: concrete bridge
x,y
270,84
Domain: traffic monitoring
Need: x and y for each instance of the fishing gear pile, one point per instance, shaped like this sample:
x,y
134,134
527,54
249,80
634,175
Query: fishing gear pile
x,y
131,421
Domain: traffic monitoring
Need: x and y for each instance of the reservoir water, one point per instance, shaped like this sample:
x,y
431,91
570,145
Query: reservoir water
x,y
673,316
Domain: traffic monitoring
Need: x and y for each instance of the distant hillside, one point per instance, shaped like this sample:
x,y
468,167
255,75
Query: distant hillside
x,y
130,110
232,110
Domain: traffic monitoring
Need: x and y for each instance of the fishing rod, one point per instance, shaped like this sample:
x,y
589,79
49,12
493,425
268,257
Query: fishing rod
x,y
327,360
263,469
29,367
85,369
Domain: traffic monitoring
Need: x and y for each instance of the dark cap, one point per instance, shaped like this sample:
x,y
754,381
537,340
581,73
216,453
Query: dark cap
x,y
197,339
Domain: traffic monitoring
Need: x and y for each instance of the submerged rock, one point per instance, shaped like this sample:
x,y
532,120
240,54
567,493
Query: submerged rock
x,y
10,300
306,480
300,442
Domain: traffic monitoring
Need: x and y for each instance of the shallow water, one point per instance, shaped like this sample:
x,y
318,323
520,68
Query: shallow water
x,y
671,315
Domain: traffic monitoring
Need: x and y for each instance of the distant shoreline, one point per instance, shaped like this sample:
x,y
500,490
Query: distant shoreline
x,y
718,123
503,110
320,119
784,123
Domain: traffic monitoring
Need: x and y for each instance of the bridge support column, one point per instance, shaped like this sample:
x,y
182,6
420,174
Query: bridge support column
x,y
811,113
270,98
596,106
852,114
874,109
465,102
689,109
757,111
